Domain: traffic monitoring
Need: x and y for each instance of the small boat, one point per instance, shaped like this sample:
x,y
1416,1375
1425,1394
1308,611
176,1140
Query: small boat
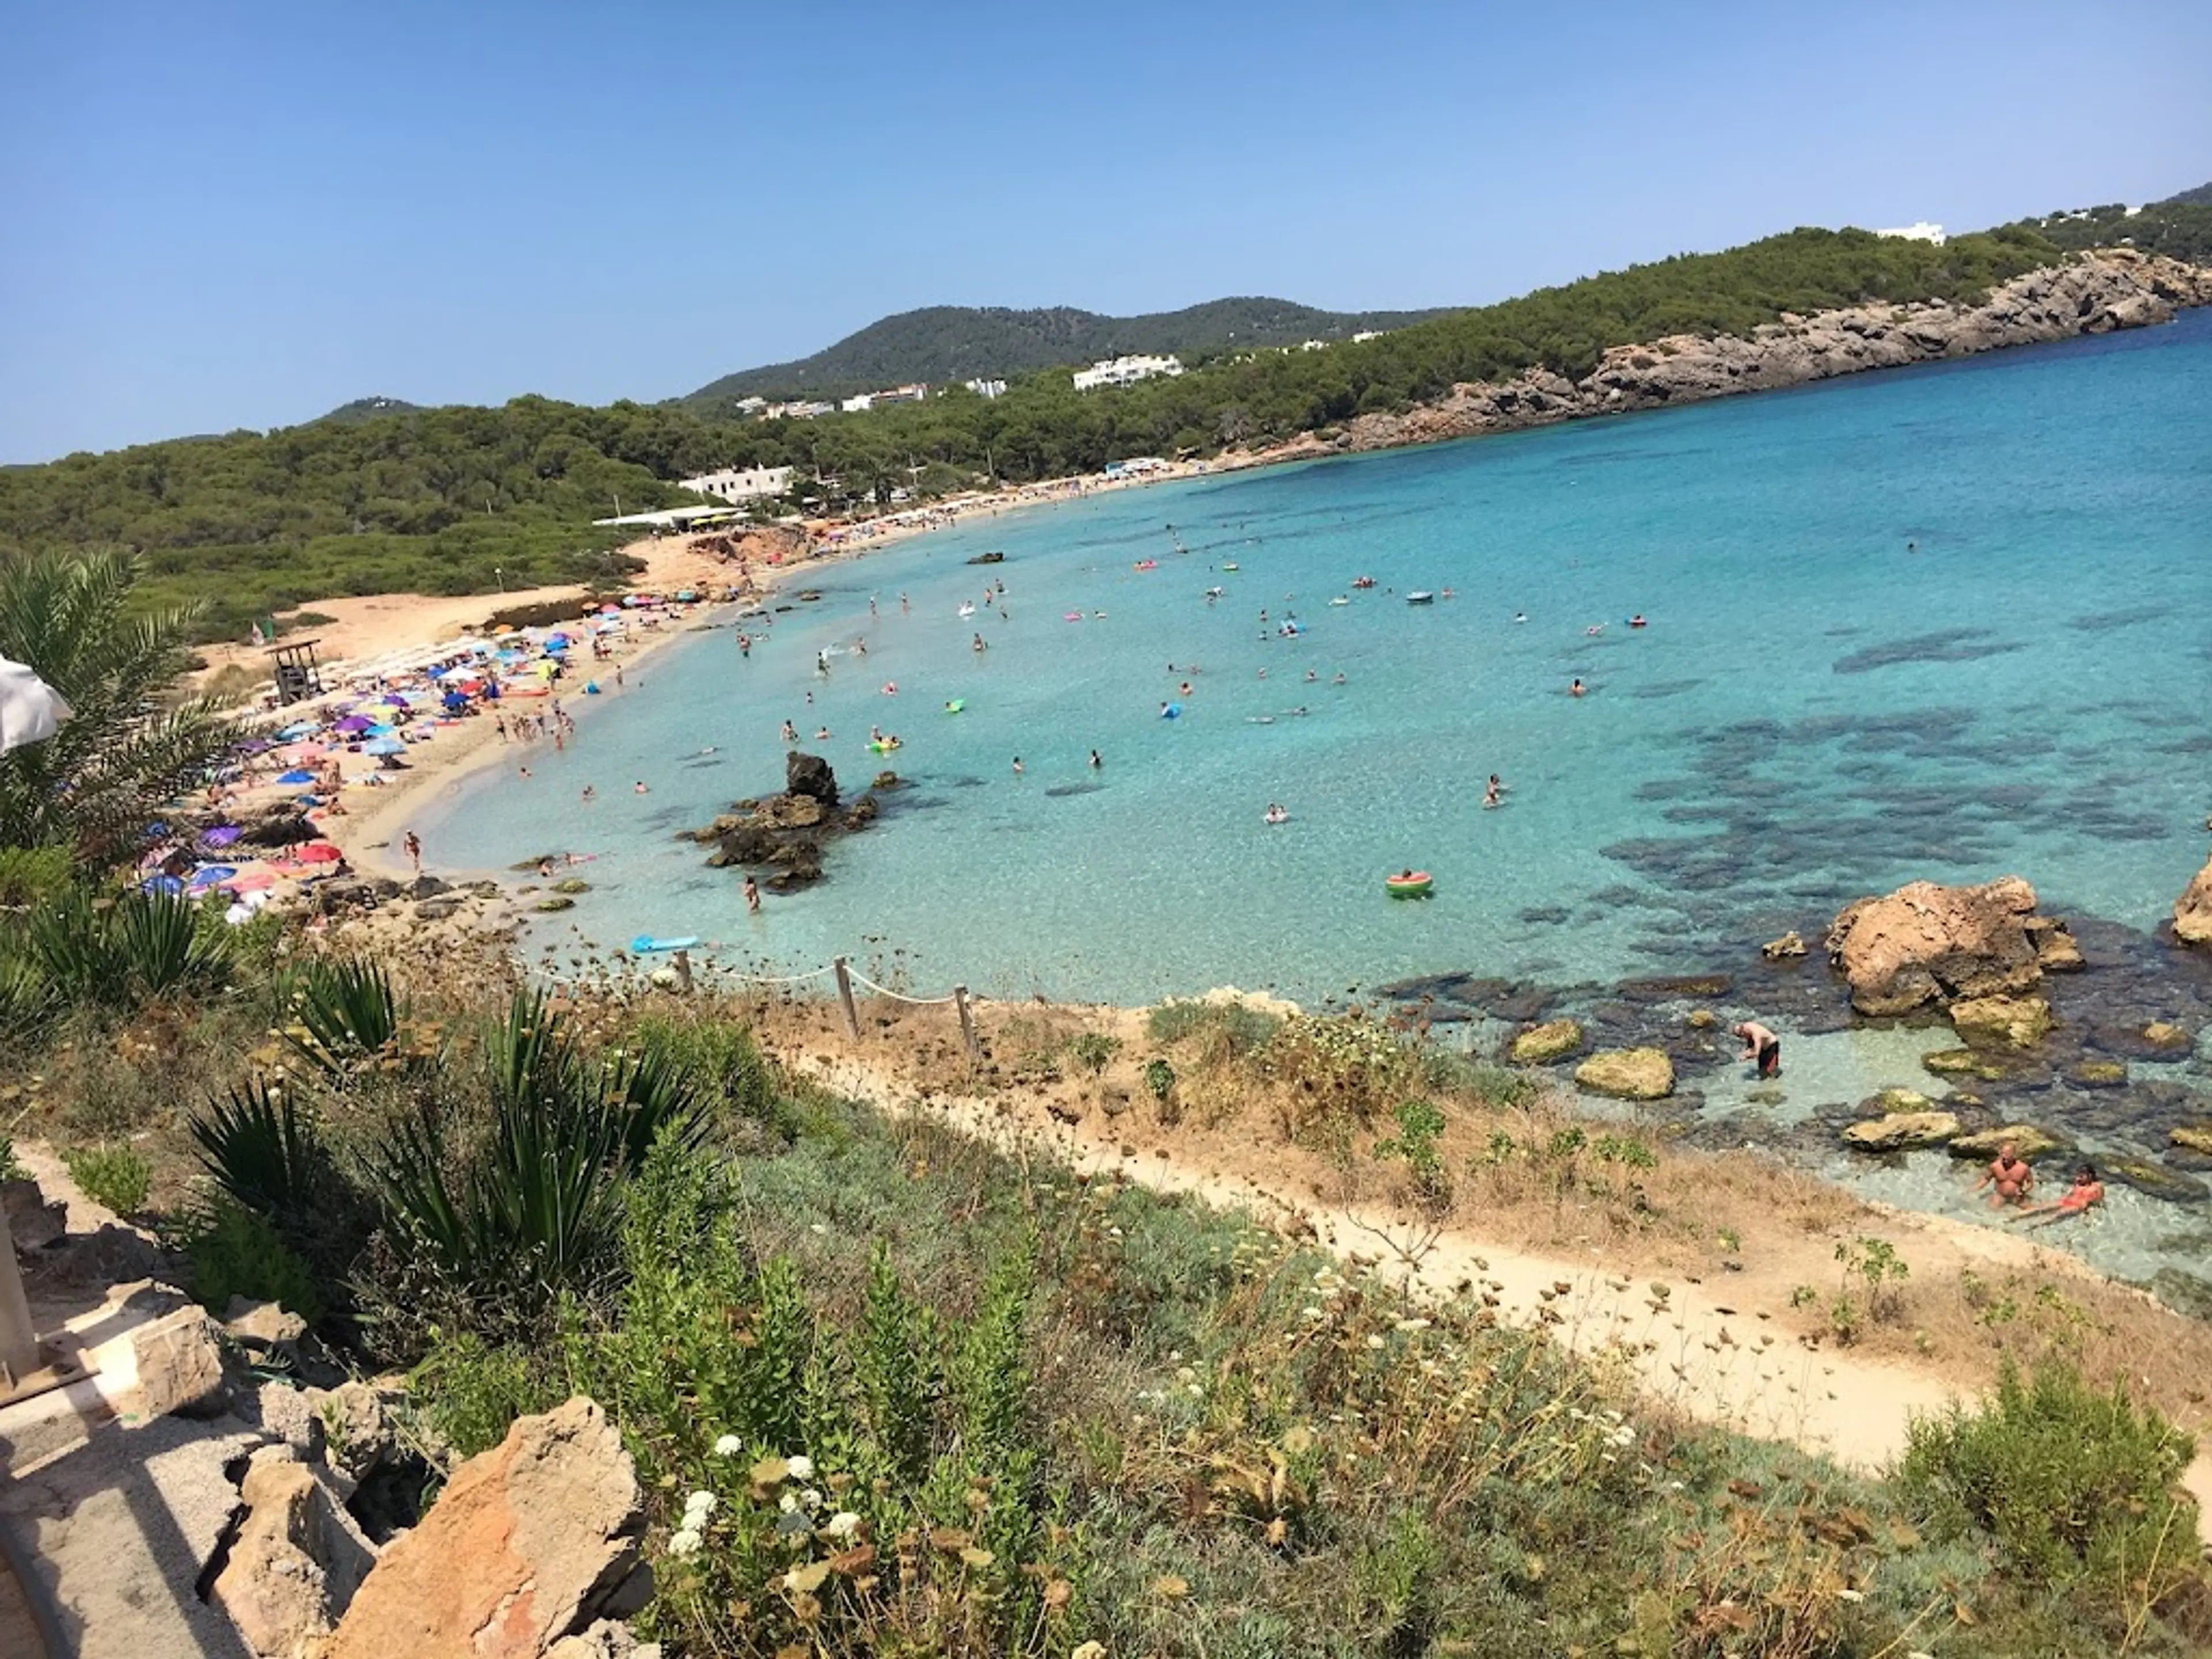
x,y
645,944
1411,884
1231,566
1420,595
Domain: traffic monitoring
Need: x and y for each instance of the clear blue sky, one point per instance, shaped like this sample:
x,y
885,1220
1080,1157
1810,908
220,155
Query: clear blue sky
x,y
242,214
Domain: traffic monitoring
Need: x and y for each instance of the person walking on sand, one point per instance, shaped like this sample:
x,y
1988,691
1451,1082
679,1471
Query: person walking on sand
x,y
414,846
1759,1045
2011,1175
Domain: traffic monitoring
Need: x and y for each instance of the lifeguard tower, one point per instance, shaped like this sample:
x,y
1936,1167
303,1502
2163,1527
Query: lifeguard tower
x,y
298,674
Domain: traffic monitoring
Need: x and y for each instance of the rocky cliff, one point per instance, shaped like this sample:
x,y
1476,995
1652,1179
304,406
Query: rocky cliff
x,y
2095,294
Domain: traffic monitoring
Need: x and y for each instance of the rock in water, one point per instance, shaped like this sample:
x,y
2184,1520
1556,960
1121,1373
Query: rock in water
x,y
1539,1045
528,1543
1926,942
1896,1132
2192,911
2001,1022
1627,1074
2029,1141
2194,1137
809,774
1783,949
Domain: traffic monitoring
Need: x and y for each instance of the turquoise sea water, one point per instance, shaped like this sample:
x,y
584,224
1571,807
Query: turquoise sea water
x,y
1815,711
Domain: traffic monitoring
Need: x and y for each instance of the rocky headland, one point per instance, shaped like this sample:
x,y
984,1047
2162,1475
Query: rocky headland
x,y
2095,294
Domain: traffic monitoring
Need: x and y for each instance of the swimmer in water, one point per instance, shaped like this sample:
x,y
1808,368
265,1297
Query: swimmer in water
x,y
1577,690
1339,679
1494,793
1637,621
590,794
822,735
790,732
1019,768
638,787
1094,762
1520,616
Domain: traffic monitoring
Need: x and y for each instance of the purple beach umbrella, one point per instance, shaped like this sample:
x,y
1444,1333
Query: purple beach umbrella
x,y
221,835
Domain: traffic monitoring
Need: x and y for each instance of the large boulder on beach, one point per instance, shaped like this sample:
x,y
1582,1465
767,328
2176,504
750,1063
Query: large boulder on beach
x,y
1539,1045
2001,1022
809,774
2192,911
1928,943
1627,1074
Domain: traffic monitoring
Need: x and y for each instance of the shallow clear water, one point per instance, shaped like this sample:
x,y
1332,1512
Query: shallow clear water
x,y
1814,711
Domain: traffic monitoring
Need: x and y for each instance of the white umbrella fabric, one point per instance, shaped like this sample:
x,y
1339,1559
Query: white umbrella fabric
x,y
31,711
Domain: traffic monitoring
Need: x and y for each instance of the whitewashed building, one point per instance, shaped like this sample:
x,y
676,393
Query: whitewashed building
x,y
1923,232
753,483
1126,371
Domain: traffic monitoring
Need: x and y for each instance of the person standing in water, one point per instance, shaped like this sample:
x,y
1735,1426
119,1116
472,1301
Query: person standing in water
x,y
414,846
1761,1046
1094,762
752,895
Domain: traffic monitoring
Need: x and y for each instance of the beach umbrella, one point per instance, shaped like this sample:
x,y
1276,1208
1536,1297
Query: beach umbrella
x,y
354,723
255,880
31,711
610,610
208,874
318,852
161,884
555,639
296,775
221,835
384,746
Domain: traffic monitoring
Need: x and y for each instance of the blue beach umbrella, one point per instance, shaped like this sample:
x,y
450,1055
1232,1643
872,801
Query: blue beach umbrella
x,y
161,884
299,775
207,874
383,746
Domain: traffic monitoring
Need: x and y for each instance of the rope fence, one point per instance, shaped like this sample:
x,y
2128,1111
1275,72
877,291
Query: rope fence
x,y
844,972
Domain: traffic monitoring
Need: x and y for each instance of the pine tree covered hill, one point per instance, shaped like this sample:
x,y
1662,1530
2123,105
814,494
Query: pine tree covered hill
x,y
941,344
457,500
2179,227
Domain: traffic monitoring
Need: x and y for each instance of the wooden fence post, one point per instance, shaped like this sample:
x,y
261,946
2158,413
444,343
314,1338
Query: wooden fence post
x,y
968,1025
845,998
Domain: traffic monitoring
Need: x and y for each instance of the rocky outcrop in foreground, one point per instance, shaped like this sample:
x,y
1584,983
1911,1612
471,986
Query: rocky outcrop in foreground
x,y
2095,294
1926,943
2192,911
533,1542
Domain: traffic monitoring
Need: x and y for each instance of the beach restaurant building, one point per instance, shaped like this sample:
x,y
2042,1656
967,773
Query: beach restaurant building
x,y
752,483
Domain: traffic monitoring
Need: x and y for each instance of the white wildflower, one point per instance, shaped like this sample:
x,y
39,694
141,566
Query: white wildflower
x,y
788,1503
697,1507
801,1467
1198,1391
1374,1342
1850,1595
1312,1313
728,1446
810,1499
683,1542
843,1524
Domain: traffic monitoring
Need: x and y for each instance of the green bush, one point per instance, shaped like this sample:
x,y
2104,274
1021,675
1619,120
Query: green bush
x,y
230,1251
2066,1484
1230,1031
121,953
736,1079
116,1177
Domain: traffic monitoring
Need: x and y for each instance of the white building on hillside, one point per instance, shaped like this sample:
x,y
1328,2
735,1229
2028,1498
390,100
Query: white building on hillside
x,y
1126,371
754,484
1923,232
987,388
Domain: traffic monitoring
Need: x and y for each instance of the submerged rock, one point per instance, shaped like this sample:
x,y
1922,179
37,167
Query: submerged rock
x,y
2055,952
1791,945
1897,1132
1929,944
2162,1034
2001,1022
1963,1062
1627,1074
1540,1045
2196,1137
2098,1074
2154,1181
2029,1141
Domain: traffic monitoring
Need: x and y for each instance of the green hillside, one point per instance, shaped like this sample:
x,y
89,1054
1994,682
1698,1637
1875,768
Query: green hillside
x,y
941,344
2181,226
461,500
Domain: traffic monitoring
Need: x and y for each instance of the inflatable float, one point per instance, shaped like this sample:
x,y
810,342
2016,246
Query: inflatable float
x,y
1171,711
646,943
883,745
955,705
1411,884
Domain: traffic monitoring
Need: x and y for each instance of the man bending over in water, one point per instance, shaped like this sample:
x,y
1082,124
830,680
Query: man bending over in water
x,y
1761,1045
2011,1175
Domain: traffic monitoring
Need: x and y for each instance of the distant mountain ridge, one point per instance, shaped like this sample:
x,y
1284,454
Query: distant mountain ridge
x,y
2200,197
941,344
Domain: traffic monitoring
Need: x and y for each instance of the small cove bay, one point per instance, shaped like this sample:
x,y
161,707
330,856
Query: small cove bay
x,y
1940,622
